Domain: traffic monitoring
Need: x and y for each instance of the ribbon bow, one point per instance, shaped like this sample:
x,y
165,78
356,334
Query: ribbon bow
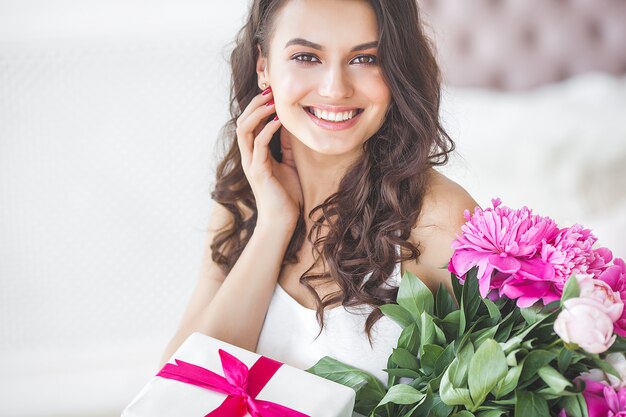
x,y
241,384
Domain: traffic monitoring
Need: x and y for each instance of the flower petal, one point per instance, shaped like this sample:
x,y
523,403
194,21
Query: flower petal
x,y
504,263
463,260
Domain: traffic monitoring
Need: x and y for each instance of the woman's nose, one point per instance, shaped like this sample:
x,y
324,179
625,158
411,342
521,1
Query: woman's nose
x,y
336,83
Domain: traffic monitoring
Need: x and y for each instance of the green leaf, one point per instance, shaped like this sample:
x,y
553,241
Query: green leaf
x,y
530,405
511,357
505,401
471,295
398,314
410,412
532,314
491,413
453,387
415,296
575,406
463,413
430,334
509,383
444,304
462,319
429,357
453,395
481,335
451,324
534,361
391,378
422,409
506,325
554,379
410,338
402,373
369,390
439,408
402,394
445,359
565,359
517,340
463,357
427,335
571,289
492,309
487,367
405,359
457,288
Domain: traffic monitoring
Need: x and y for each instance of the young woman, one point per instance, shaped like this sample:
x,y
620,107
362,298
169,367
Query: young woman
x,y
333,139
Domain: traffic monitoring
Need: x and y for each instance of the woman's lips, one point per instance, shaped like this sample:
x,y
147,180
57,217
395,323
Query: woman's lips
x,y
327,124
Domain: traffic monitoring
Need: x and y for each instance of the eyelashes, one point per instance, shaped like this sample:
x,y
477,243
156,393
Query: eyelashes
x,y
308,59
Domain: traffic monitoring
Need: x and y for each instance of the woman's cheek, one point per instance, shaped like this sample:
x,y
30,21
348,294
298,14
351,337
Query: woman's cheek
x,y
294,85
372,85
292,90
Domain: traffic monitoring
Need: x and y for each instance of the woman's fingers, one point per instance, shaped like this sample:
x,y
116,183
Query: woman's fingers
x,y
256,102
261,145
249,126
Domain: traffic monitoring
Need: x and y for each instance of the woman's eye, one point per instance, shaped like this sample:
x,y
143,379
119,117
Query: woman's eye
x,y
305,58
366,59
311,59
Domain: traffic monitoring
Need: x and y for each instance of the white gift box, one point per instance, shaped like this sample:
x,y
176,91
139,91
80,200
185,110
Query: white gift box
x,y
289,386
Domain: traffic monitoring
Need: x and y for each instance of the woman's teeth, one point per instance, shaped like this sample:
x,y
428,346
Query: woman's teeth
x,y
332,116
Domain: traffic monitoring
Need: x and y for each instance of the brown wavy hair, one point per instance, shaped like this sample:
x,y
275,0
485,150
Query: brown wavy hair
x,y
380,197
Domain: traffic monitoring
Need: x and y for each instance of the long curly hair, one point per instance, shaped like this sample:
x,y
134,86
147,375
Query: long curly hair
x,y
380,197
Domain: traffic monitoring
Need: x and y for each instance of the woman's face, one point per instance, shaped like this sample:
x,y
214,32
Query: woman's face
x,y
323,60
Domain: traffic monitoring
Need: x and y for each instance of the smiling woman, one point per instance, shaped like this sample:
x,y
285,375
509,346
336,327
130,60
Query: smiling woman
x,y
328,187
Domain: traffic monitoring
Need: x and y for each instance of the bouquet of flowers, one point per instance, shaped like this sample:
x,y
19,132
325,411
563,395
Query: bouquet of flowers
x,y
538,328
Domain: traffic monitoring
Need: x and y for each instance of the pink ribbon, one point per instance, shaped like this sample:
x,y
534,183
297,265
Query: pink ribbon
x,y
241,384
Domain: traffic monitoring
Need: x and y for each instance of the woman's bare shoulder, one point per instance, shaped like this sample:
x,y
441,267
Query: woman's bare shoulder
x,y
440,220
444,203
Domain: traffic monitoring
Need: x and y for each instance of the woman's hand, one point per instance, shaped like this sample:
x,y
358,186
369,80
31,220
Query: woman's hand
x,y
275,185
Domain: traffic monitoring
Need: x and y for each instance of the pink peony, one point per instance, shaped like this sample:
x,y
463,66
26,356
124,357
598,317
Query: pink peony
x,y
604,401
616,400
600,291
571,252
601,262
615,277
584,322
508,242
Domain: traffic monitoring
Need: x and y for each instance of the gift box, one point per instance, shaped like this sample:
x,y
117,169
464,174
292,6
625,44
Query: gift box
x,y
208,377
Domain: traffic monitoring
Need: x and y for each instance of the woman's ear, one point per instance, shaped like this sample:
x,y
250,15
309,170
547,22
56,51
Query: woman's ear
x,y
261,69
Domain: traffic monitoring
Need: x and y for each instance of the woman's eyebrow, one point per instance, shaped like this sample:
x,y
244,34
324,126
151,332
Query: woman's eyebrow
x,y
304,42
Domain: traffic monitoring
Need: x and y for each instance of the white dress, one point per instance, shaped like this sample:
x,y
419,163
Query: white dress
x,y
289,330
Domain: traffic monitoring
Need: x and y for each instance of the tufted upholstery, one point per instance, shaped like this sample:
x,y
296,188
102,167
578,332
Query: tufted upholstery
x,y
518,44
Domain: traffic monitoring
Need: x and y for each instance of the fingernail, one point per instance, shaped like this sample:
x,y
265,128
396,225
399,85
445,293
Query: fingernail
x,y
267,90
276,118
269,103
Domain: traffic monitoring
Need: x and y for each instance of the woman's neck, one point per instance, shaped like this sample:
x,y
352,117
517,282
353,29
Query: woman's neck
x,y
319,174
